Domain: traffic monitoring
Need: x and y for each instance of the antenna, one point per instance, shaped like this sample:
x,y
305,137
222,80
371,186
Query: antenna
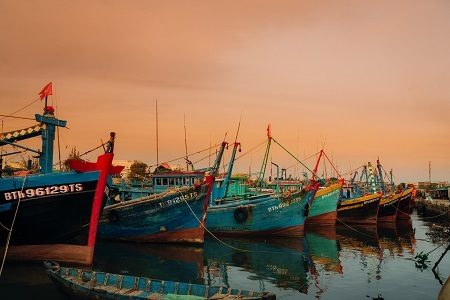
x,y
239,126
185,142
429,171
157,146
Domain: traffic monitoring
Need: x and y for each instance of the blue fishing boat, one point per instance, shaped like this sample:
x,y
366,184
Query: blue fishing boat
x,y
85,284
266,214
176,215
52,215
323,209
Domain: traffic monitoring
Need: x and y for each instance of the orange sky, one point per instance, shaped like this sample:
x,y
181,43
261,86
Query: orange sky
x,y
366,80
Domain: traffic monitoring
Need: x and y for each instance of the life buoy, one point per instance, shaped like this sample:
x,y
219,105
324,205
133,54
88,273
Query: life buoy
x,y
306,212
240,214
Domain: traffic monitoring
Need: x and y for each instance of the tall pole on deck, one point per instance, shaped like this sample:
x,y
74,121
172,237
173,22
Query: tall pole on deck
x,y
429,171
185,142
157,138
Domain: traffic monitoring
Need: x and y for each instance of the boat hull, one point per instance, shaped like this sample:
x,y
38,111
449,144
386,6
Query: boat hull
x,y
175,216
323,208
388,207
266,215
406,205
53,217
59,213
360,210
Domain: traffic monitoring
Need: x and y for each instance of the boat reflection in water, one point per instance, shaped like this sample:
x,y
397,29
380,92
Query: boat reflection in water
x,y
162,261
286,267
285,263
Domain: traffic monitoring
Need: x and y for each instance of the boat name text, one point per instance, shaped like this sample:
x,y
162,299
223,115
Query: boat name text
x,y
178,199
44,191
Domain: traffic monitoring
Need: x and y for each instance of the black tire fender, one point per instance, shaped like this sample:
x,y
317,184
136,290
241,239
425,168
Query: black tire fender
x,y
240,214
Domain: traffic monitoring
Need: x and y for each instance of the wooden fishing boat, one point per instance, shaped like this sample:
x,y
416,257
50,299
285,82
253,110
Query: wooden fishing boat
x,y
52,215
84,284
406,204
323,209
265,214
359,202
174,216
261,215
359,210
389,207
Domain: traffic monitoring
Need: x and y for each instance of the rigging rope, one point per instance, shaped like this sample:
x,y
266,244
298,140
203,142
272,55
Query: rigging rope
x,y
14,117
305,159
21,109
312,172
12,226
225,244
184,156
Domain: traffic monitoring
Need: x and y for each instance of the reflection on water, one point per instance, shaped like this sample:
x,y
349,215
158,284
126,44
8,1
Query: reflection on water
x,y
288,264
342,262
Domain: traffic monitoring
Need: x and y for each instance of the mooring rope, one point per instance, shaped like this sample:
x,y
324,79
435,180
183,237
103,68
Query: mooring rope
x,y
228,245
203,225
12,225
354,229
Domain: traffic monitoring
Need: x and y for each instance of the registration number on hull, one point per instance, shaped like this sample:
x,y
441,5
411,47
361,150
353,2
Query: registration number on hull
x,y
44,191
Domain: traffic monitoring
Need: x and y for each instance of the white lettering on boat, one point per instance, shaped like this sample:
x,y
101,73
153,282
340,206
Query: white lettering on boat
x,y
44,191
178,199
276,207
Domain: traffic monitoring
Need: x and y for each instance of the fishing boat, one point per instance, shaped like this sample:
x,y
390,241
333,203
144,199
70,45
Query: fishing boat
x,y
391,198
323,209
406,204
85,284
52,215
357,206
266,214
359,210
176,215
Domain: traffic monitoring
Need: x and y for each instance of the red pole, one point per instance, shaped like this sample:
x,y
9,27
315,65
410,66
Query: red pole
x,y
104,163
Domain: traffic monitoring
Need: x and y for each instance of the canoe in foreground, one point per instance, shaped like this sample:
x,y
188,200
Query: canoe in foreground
x,y
85,284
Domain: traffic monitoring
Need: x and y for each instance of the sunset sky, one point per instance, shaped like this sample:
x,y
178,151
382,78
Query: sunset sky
x,y
363,78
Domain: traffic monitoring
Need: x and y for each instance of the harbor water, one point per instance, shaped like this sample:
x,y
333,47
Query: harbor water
x,y
338,262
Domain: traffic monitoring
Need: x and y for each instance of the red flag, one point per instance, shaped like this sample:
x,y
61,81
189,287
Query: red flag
x,y
268,131
47,90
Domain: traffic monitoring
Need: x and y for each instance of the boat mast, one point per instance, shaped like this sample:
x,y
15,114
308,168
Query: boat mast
x,y
314,172
157,146
227,179
383,188
185,143
262,172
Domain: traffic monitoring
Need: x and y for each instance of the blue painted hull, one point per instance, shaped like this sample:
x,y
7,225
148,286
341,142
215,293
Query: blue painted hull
x,y
54,207
260,215
167,217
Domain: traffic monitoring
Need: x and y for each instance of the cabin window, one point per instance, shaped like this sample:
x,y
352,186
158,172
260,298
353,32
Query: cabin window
x,y
164,181
157,181
171,181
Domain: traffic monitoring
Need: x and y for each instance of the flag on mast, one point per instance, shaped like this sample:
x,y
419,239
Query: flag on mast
x,y
47,90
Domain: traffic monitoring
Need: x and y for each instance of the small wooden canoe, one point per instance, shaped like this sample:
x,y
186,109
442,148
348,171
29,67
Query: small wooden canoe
x,y
86,284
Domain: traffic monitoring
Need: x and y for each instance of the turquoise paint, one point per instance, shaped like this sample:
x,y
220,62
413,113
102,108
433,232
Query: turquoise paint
x,y
325,203
264,213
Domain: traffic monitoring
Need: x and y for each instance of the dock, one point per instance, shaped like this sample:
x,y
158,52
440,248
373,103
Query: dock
x,y
434,207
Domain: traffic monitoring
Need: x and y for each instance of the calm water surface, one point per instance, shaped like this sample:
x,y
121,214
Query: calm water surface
x,y
331,263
